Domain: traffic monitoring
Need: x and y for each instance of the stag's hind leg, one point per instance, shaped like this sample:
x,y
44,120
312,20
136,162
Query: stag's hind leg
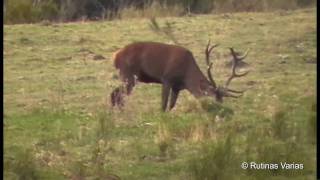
x,y
117,95
130,83
128,79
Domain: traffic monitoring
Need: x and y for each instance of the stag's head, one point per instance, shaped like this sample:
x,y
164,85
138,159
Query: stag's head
x,y
221,91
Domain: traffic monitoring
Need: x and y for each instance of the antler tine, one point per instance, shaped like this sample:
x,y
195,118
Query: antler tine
x,y
210,49
234,54
233,96
244,56
235,91
207,52
210,75
236,59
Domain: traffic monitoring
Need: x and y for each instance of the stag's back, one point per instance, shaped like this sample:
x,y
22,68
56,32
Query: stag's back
x,y
154,59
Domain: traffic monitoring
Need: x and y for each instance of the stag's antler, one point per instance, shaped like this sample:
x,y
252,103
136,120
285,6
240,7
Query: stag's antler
x,y
236,60
209,63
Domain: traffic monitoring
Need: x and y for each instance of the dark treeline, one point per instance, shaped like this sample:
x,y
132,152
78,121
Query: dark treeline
x,y
28,11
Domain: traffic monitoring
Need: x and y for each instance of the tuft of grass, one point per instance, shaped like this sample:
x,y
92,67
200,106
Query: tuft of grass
x,y
22,164
216,161
105,124
279,125
163,139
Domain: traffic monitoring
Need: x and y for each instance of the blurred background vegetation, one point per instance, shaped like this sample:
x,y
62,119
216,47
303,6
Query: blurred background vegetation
x,y
30,11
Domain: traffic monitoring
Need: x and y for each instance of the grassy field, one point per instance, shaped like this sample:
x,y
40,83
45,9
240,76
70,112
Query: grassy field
x,y
58,123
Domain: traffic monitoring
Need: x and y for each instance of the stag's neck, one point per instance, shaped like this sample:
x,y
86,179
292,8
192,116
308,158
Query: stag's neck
x,y
198,84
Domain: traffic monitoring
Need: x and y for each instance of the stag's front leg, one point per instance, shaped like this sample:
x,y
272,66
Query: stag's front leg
x,y
174,97
165,95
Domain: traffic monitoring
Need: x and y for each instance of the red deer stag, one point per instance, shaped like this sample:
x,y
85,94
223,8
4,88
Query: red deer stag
x,y
172,66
